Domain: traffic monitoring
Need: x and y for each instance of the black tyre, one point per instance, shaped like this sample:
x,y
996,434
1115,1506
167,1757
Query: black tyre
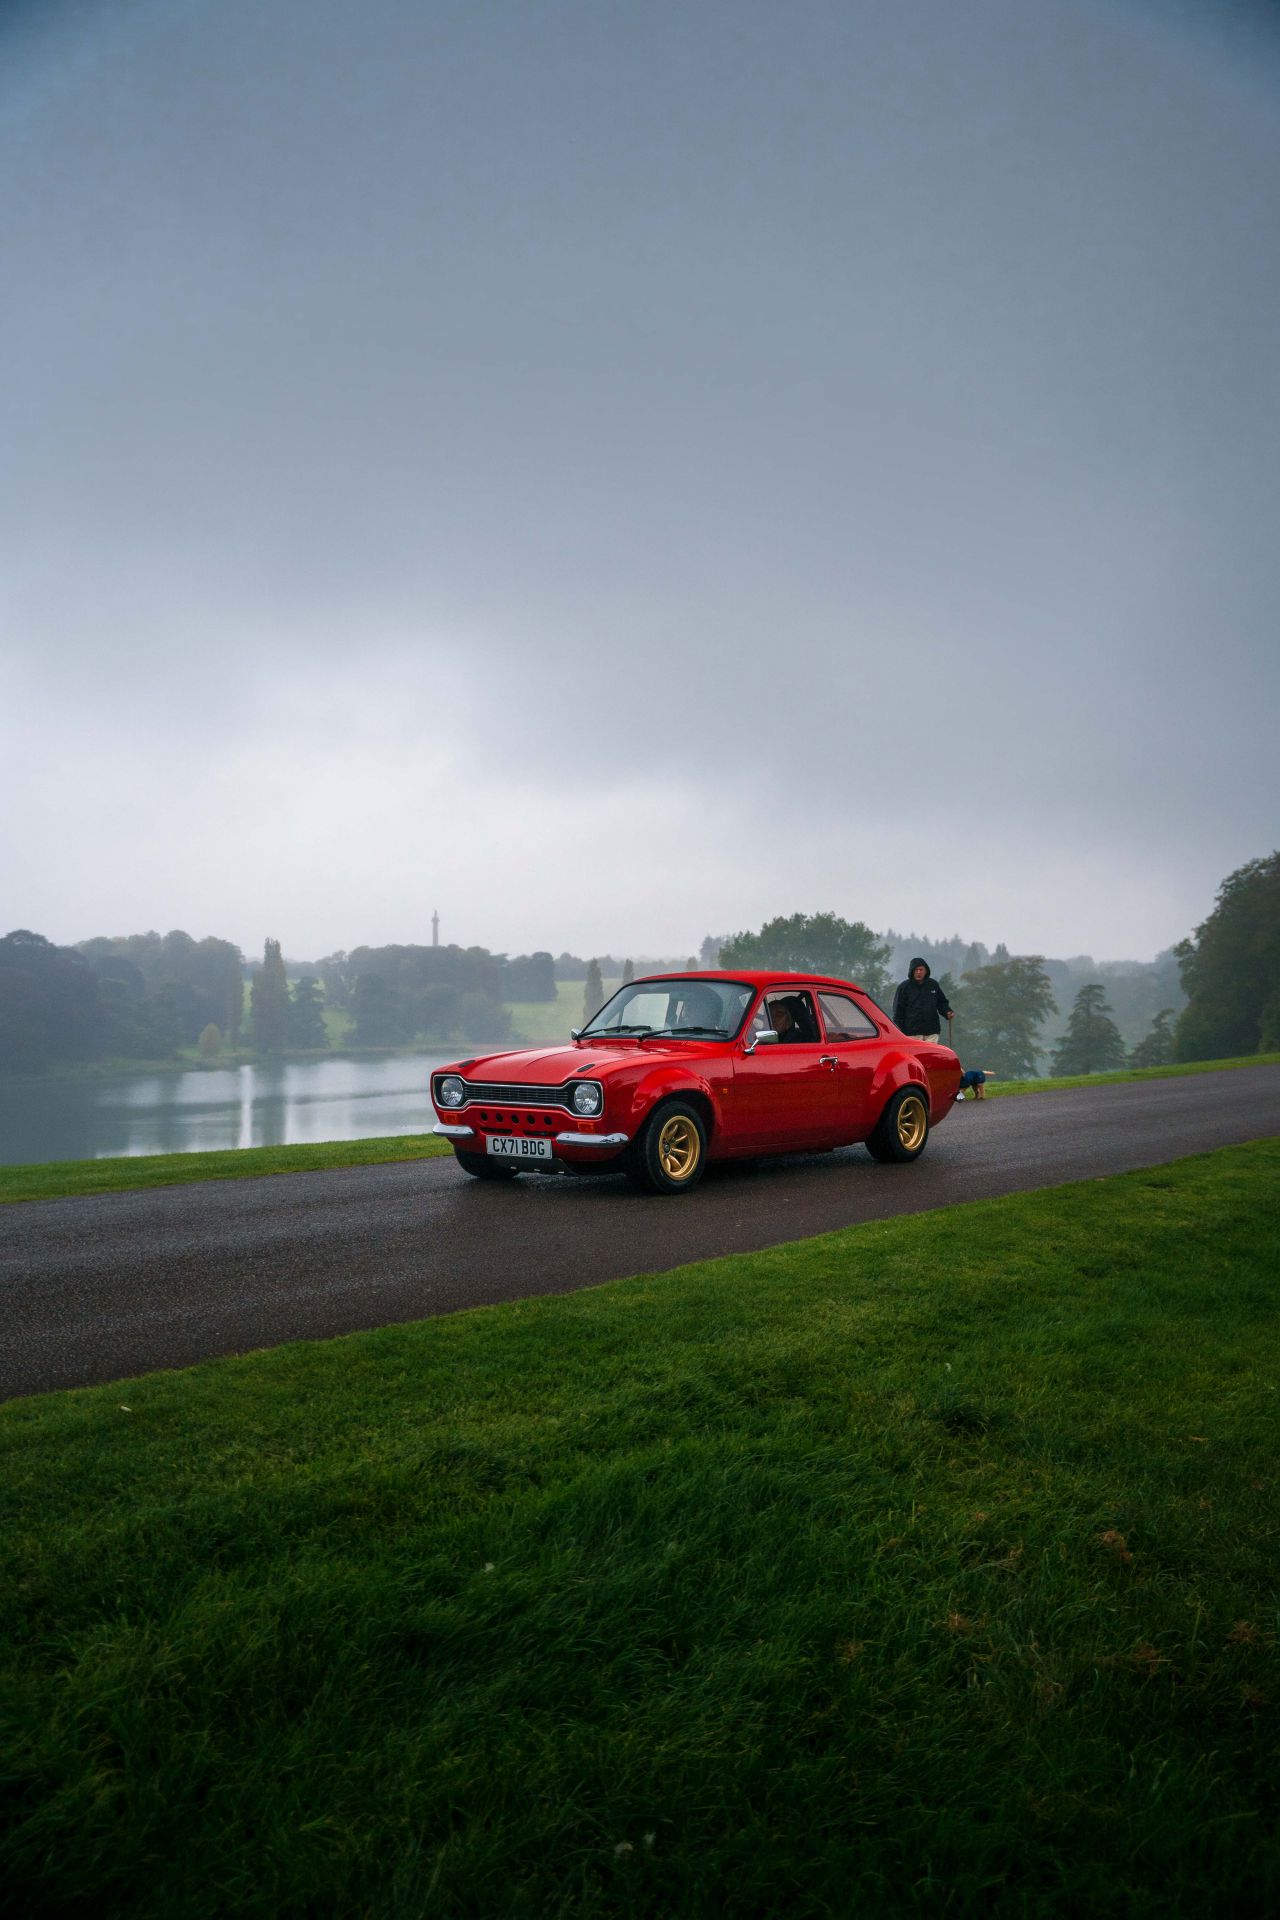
x,y
902,1128
671,1154
480,1167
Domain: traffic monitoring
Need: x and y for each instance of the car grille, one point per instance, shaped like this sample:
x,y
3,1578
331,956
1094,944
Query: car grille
x,y
509,1093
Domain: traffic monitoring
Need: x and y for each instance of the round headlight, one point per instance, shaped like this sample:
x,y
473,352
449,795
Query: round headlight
x,y
587,1098
451,1092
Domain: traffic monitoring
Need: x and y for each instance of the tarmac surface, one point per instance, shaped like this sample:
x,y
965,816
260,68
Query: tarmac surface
x,y
103,1287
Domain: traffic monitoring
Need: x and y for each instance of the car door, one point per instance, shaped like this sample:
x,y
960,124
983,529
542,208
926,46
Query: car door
x,y
785,1092
854,1045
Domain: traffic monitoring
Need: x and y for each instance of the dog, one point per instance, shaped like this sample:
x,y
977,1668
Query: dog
x,y
972,1079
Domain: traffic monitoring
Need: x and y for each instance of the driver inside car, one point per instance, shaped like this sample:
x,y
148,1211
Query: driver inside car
x,y
783,1020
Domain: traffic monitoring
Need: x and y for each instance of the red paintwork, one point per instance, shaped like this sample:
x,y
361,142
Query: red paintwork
x,y
778,1099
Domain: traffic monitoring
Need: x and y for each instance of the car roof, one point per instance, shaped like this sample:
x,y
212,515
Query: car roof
x,y
751,977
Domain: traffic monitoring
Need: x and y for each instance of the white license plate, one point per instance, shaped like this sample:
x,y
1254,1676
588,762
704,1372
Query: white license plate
x,y
517,1146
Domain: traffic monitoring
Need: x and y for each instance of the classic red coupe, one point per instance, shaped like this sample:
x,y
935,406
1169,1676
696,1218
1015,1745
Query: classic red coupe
x,y
678,1070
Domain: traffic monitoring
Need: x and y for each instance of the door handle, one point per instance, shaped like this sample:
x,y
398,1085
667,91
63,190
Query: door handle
x,y
827,1060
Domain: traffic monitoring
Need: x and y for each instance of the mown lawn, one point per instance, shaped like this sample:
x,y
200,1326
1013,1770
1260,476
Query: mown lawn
x,y
541,1022
925,1567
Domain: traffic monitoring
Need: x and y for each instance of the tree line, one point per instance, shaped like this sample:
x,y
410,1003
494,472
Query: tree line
x,y
1222,986
145,996
1000,1006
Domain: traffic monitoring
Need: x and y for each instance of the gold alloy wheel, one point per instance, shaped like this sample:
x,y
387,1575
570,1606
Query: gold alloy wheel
x,y
679,1148
912,1123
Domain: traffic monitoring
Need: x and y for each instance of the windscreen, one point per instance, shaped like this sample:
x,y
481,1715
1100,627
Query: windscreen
x,y
704,1009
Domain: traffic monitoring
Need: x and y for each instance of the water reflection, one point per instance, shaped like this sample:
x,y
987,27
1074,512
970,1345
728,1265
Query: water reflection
x,y
204,1110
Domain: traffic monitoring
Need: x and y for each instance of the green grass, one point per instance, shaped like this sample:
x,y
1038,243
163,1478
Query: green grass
x,y
537,1022
927,1567
59,1179
339,1025
1132,1073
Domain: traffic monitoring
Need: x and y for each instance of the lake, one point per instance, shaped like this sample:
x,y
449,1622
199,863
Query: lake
x,y
205,1109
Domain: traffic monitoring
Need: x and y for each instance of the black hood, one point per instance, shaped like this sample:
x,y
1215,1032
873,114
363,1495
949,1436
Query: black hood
x,y
919,961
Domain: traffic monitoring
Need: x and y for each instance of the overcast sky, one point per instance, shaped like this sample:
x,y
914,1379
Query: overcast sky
x,y
615,472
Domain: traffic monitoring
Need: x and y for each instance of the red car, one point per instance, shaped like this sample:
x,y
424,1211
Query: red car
x,y
679,1070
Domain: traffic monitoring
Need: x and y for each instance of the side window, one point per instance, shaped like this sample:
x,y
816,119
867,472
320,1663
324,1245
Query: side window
x,y
844,1018
791,1016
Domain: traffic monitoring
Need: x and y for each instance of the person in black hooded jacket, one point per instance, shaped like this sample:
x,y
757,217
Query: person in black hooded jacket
x,y
919,1005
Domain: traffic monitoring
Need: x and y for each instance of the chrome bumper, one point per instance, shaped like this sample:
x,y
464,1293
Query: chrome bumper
x,y
607,1140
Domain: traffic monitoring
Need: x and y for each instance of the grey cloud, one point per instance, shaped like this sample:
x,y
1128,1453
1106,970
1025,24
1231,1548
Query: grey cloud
x,y
860,425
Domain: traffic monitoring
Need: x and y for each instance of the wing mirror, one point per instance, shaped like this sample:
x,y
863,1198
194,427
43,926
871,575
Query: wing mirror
x,y
765,1039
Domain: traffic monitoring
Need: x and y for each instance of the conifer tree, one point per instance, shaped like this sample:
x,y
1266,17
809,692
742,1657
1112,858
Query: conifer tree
x,y
593,993
628,972
1155,1049
233,997
1092,1041
306,1027
269,1001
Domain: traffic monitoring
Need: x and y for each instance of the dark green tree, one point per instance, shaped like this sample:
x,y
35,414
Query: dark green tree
x,y
233,996
1092,1042
1231,969
628,972
438,1009
380,1016
593,992
197,979
999,1012
1156,1049
128,1013
269,1001
530,976
49,1006
306,1028
165,1021
814,943
482,1021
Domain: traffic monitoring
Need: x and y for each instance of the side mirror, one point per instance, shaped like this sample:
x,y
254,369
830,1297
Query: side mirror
x,y
766,1039
575,1033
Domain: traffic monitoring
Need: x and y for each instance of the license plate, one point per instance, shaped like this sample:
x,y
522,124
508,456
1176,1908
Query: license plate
x,y
518,1146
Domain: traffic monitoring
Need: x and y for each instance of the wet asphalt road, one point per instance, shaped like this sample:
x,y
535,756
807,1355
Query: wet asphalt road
x,y
99,1288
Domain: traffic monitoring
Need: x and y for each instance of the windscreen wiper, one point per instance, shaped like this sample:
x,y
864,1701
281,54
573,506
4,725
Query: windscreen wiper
x,y
679,1033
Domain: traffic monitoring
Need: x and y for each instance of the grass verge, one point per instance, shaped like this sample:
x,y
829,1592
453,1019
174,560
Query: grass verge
x,y
925,1567
58,1179
1172,1072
